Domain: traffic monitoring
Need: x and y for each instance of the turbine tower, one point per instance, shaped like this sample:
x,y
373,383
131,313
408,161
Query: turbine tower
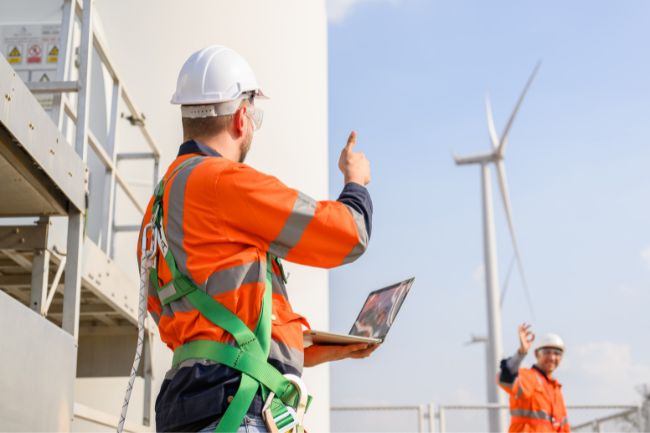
x,y
494,350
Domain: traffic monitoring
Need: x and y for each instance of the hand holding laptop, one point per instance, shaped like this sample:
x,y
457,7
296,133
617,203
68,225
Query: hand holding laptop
x,y
319,353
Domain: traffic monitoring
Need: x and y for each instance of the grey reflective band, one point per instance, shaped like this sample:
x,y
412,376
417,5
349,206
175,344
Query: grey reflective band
x,y
362,232
217,283
520,391
175,215
287,355
155,316
230,279
540,414
278,286
303,212
181,305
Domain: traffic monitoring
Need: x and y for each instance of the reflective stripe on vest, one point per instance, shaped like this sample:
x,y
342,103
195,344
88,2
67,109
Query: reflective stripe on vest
x,y
523,413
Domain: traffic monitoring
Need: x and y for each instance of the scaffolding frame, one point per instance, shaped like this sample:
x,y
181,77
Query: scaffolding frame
x,y
53,283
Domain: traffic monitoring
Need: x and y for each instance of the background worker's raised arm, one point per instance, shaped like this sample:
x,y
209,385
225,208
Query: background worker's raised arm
x,y
510,366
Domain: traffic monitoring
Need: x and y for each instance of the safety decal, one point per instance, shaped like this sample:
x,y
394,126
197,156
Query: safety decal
x,y
34,54
15,56
53,55
44,78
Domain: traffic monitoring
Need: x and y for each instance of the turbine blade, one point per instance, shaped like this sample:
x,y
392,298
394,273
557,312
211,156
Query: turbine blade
x,y
506,282
504,137
505,196
494,138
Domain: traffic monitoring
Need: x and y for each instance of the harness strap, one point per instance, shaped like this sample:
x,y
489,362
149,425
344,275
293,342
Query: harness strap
x,y
240,360
251,357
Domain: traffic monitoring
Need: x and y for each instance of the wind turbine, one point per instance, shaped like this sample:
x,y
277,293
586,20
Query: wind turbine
x,y
494,348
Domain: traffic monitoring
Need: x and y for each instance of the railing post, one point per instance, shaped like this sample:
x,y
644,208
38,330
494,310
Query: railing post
x,y
72,282
441,419
432,417
421,418
85,60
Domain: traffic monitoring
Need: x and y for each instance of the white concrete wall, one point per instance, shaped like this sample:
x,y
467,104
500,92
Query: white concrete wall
x,y
286,43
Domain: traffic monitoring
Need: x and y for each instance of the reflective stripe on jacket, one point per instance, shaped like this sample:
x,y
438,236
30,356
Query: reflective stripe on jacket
x,y
536,403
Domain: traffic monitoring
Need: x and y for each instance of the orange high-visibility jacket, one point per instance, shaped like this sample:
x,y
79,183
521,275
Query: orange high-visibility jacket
x,y
221,218
536,402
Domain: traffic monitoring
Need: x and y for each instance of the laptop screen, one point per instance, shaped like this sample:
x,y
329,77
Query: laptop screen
x,y
379,311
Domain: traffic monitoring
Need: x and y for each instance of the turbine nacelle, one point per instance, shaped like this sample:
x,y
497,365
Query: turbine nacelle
x,y
479,158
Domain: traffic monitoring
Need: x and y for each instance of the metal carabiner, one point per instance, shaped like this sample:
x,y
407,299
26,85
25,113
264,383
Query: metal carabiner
x,y
148,253
297,414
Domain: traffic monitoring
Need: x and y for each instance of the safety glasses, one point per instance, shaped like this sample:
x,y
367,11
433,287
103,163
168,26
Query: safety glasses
x,y
547,351
256,115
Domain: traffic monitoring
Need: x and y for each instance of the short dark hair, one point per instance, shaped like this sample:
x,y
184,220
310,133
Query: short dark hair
x,y
205,126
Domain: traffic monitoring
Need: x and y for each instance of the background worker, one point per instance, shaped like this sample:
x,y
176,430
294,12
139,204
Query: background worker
x,y
225,225
536,401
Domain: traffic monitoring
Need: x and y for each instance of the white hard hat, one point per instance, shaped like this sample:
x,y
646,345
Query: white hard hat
x,y
550,340
214,75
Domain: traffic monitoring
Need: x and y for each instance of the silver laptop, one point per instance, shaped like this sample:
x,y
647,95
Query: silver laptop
x,y
374,320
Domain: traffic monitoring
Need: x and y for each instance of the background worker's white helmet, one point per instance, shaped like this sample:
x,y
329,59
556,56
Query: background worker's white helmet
x,y
550,340
214,75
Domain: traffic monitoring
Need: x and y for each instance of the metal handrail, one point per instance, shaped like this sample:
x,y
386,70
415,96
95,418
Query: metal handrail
x,y
432,412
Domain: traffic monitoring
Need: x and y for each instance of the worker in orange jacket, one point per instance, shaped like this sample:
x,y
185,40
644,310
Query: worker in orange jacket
x,y
222,229
536,401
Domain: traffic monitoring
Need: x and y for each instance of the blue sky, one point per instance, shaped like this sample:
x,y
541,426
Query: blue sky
x,y
411,76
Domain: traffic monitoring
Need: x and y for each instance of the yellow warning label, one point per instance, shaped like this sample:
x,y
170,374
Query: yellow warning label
x,y
14,56
53,55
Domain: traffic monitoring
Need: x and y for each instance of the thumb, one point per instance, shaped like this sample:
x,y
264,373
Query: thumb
x,y
352,141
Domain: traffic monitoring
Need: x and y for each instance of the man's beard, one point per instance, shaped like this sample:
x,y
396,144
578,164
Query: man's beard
x,y
245,146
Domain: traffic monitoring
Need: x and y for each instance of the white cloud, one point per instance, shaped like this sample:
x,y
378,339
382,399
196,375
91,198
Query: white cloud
x,y
602,372
338,10
645,256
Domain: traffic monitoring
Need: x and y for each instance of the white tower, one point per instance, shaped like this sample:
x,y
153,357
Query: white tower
x,y
494,346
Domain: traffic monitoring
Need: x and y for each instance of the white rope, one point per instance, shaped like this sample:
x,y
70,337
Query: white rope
x,y
146,263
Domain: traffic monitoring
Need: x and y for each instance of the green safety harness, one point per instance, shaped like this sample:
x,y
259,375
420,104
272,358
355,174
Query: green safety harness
x,y
285,396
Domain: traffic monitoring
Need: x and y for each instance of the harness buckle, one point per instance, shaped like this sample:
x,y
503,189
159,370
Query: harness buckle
x,y
280,418
148,253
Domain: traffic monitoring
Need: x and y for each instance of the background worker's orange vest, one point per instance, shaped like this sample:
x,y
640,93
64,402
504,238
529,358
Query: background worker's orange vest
x,y
536,403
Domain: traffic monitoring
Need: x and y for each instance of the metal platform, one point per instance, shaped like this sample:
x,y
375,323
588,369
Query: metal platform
x,y
43,174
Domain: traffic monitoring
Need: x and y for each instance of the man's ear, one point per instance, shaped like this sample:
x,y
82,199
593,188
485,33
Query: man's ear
x,y
238,120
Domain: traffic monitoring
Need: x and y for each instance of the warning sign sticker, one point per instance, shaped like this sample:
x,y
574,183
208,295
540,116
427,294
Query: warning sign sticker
x,y
14,55
28,46
34,51
53,54
34,54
